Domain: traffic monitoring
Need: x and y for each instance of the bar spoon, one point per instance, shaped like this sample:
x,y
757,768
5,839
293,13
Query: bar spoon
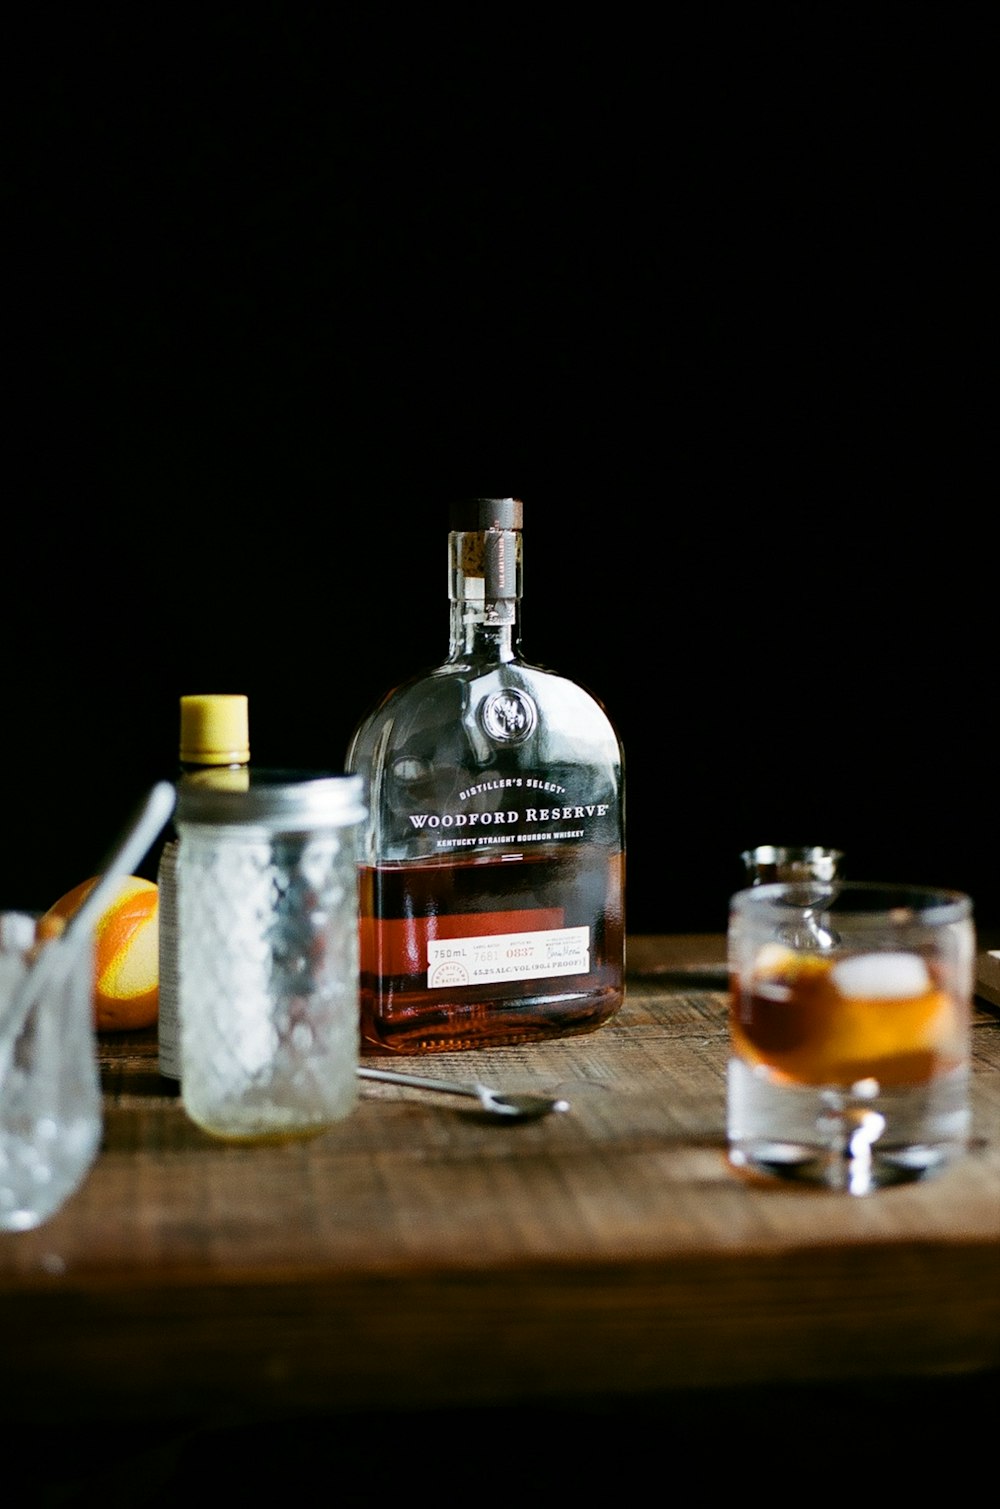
x,y
517,1107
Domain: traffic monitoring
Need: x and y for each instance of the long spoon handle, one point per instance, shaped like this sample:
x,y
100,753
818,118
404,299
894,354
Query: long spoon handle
x,y
148,822
446,1086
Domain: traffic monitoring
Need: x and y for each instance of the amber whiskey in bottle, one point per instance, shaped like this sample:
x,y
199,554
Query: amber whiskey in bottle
x,y
492,861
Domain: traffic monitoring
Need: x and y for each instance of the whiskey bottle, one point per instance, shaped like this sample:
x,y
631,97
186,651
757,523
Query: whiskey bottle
x,y
214,751
492,862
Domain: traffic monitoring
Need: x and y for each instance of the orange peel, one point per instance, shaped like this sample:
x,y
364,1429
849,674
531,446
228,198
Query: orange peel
x,y
126,951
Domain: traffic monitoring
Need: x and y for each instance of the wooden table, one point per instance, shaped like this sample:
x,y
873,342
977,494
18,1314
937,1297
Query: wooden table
x,y
610,1252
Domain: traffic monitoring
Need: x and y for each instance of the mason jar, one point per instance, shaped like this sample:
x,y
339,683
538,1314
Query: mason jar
x,y
267,895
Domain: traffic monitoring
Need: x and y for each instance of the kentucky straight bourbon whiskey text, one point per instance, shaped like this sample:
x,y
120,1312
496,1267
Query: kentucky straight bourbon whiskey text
x,y
493,864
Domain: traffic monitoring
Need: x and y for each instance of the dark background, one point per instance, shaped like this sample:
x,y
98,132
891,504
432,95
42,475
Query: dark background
x,y
713,302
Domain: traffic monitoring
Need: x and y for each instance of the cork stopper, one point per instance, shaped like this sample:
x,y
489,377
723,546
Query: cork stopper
x,y
474,514
214,730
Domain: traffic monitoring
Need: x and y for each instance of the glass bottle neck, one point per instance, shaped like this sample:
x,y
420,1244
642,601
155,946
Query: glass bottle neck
x,y
479,634
484,586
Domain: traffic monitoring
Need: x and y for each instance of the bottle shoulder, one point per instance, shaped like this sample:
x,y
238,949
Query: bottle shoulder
x,y
454,683
461,701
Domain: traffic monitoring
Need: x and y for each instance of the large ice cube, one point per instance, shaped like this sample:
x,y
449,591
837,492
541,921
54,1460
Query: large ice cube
x,y
881,977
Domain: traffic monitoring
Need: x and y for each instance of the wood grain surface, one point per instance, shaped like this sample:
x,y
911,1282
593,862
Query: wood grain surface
x,y
610,1251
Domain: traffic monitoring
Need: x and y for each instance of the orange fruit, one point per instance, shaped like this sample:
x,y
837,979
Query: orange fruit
x,y
126,952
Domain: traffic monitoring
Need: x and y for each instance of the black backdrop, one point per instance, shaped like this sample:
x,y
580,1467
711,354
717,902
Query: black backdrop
x,y
711,304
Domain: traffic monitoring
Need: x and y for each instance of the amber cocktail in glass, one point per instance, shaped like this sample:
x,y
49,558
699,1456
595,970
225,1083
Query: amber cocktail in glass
x,y
849,1056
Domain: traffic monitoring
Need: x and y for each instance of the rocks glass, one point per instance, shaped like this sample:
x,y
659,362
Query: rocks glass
x,y
50,1092
849,1062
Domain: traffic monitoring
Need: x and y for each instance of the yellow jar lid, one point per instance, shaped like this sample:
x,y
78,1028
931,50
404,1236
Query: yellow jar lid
x,y
214,730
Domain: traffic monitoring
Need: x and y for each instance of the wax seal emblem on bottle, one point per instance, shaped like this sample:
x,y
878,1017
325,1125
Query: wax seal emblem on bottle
x,y
509,716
